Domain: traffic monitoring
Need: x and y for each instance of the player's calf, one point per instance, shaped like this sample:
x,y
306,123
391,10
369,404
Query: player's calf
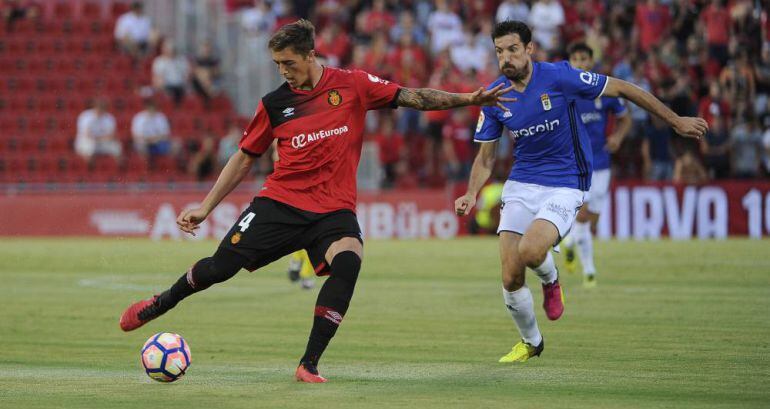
x,y
333,301
203,274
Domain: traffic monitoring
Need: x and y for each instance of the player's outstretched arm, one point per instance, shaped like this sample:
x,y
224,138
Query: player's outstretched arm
x,y
683,125
480,172
232,174
428,99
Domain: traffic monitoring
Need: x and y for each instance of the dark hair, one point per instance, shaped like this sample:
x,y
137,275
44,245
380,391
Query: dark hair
x,y
580,48
298,35
506,27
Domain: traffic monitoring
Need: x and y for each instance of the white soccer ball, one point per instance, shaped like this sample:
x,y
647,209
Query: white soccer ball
x,y
166,357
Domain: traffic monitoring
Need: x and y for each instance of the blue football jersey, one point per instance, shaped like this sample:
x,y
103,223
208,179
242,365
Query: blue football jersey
x,y
593,114
552,144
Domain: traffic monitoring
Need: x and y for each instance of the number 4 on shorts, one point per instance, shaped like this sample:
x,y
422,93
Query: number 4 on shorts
x,y
244,223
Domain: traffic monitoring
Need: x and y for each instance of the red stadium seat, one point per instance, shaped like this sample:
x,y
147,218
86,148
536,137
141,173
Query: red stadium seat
x,y
119,8
63,10
91,10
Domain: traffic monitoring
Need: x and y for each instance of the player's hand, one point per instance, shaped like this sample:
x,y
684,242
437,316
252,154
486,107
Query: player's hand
x,y
690,127
464,204
190,220
613,143
492,96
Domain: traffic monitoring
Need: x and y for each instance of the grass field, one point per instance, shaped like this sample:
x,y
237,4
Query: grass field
x,y
672,324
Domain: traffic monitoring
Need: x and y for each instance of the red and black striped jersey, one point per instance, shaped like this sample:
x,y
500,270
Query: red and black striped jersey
x,y
319,134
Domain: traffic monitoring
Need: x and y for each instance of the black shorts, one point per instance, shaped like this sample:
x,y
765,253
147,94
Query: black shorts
x,y
268,230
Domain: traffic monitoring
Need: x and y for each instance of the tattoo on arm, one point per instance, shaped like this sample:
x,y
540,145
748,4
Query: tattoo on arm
x,y
427,99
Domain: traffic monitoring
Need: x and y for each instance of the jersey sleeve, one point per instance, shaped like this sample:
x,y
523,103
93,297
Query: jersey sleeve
x,y
376,92
488,127
580,84
617,106
259,134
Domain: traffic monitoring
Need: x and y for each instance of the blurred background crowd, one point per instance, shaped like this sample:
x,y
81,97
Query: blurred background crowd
x,y
114,91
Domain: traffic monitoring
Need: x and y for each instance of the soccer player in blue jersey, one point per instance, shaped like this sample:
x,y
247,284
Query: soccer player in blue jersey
x,y
594,115
552,169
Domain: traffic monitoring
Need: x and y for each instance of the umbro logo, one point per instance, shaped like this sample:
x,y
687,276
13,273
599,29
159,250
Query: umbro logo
x,y
288,112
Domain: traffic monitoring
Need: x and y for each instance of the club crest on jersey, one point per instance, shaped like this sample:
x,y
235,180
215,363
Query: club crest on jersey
x,y
546,102
235,238
334,98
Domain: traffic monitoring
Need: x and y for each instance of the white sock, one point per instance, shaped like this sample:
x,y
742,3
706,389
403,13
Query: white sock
x,y
585,246
569,240
519,304
547,271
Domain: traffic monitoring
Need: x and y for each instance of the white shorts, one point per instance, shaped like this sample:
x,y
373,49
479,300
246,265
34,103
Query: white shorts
x,y
525,202
599,192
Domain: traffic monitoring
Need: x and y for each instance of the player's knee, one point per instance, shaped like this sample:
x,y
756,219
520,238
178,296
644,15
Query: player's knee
x,y
346,266
212,270
513,283
531,255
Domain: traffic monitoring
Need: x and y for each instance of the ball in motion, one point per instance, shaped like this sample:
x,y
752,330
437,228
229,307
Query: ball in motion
x,y
166,357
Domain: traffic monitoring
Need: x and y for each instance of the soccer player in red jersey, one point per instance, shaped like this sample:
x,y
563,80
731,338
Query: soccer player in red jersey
x,y
317,118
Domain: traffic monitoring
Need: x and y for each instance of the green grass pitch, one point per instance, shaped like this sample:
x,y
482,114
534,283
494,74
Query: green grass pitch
x,y
671,325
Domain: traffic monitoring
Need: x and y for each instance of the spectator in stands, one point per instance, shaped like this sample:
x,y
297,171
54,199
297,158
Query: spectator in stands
x,y
546,18
717,21
378,18
639,116
652,24
96,133
746,146
656,151
737,79
171,72
766,151
458,145
512,10
258,20
228,145
716,148
206,75
13,10
202,158
284,12
134,33
764,118
375,58
151,132
686,18
689,170
333,43
762,76
408,25
470,55
408,62
445,28
714,106
391,147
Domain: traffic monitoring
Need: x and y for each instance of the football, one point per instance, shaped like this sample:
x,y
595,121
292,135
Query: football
x,y
166,357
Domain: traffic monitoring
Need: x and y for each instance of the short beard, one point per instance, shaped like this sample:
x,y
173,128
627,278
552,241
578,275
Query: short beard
x,y
518,74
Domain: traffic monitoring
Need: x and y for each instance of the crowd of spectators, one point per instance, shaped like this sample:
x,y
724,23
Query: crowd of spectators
x,y
706,58
173,76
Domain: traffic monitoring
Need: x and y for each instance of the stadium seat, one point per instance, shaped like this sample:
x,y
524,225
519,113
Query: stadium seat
x,y
119,8
63,10
91,10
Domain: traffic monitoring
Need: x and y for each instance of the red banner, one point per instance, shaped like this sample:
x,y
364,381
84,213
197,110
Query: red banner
x,y
635,210
401,214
